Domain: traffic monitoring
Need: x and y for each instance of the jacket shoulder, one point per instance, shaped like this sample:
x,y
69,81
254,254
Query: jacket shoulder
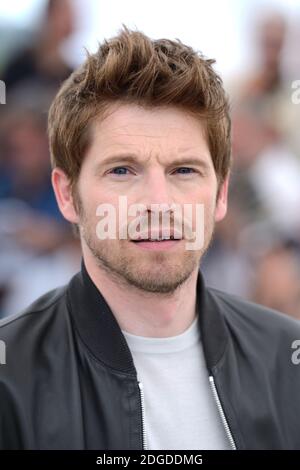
x,y
250,316
36,311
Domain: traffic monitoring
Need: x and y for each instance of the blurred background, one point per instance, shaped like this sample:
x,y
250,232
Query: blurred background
x,y
256,250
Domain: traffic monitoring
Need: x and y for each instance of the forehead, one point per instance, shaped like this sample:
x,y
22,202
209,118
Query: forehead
x,y
130,124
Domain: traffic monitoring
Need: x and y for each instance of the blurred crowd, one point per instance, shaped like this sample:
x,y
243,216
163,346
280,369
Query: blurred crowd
x,y
256,249
37,248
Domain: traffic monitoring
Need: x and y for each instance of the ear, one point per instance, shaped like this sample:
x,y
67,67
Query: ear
x,y
221,205
62,189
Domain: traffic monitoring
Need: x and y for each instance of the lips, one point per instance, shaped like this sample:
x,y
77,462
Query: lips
x,y
155,239
159,241
160,236
157,245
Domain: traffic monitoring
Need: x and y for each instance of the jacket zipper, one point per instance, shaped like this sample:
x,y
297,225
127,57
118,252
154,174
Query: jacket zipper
x,y
144,440
221,412
218,403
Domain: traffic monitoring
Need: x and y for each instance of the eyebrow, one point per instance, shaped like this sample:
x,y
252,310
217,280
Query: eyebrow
x,y
118,159
190,161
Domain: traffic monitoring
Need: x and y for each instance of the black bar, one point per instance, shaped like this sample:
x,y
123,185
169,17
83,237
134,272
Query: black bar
x,y
123,459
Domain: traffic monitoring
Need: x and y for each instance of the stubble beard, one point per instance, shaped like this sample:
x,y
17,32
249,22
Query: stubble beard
x,y
153,272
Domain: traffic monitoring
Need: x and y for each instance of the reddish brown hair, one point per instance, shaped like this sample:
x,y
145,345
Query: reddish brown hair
x,y
135,69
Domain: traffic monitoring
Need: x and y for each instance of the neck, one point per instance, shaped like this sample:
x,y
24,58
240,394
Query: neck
x,y
144,313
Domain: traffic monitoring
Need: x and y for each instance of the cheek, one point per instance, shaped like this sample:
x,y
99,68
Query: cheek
x,y
207,196
92,195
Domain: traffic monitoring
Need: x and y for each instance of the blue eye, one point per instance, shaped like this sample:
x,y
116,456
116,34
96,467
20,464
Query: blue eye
x,y
120,170
185,170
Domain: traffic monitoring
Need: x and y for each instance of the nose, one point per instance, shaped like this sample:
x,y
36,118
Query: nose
x,y
158,198
156,190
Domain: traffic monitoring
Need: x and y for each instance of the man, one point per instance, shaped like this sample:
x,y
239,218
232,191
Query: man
x,y
136,352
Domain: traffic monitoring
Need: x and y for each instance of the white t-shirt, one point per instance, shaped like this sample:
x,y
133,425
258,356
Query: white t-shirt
x,y
180,411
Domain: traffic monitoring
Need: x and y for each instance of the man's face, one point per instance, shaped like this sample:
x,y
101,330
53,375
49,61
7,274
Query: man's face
x,y
153,157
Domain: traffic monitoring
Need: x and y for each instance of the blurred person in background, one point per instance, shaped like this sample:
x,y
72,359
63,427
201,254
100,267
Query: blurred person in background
x,y
277,280
264,163
264,191
270,33
264,196
42,65
270,81
33,235
25,165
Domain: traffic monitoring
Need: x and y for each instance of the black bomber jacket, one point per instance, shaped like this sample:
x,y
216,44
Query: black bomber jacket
x,y
69,381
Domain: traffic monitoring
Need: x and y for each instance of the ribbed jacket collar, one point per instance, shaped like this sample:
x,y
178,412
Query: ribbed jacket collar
x,y
100,331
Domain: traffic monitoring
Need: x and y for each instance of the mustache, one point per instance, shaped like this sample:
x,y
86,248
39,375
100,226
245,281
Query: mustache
x,y
158,226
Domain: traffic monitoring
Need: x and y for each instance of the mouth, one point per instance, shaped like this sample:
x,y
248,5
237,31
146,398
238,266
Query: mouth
x,y
157,242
